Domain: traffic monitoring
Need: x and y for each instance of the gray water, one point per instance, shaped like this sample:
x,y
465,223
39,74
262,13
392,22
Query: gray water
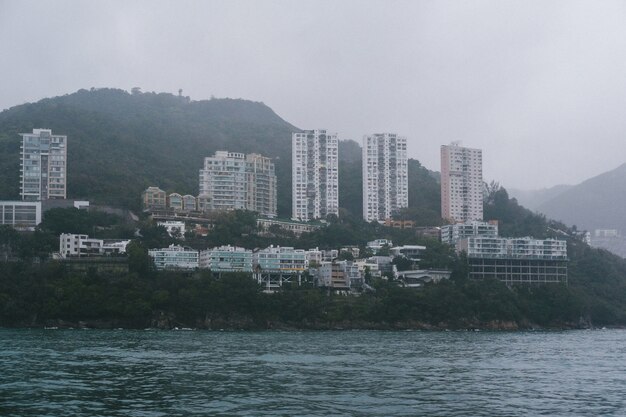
x,y
360,373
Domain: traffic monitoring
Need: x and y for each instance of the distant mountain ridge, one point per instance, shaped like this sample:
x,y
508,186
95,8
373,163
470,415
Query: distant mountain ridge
x,y
534,198
597,203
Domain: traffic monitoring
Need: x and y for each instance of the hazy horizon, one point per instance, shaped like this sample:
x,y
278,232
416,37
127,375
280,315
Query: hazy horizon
x,y
539,86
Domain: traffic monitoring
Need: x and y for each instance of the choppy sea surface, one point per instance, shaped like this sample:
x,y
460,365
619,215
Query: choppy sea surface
x,y
333,373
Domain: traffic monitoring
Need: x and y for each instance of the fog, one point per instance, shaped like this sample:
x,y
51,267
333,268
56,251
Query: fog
x,y
538,85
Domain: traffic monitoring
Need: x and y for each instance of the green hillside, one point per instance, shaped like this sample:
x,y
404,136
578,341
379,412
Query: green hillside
x,y
120,143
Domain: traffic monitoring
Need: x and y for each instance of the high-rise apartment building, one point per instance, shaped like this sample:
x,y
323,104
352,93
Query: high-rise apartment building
x,y
43,166
385,176
315,175
223,181
461,183
232,181
261,183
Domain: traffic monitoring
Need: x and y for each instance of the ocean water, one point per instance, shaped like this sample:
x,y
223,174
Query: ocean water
x,y
332,373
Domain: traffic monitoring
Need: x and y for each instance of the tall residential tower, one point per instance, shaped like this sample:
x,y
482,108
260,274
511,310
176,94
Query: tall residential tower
x,y
232,180
461,183
315,175
385,176
261,184
43,166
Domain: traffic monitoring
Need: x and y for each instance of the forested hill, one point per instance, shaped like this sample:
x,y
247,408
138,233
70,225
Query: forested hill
x,y
120,143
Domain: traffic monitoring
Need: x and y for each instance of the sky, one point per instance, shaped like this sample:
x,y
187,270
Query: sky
x,y
539,86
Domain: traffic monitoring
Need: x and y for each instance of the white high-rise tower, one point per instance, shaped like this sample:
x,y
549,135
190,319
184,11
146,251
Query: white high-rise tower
x,y
315,175
461,183
385,176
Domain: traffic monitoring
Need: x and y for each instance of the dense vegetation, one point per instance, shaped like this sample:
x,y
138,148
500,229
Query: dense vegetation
x,y
46,293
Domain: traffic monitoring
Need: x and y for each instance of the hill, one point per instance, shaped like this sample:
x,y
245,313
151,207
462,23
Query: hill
x,y
597,203
534,198
120,143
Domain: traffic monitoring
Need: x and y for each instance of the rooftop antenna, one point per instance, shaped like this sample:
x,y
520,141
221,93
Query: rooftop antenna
x,y
456,143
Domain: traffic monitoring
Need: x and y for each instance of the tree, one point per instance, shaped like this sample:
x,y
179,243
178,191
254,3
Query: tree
x,y
402,263
345,256
138,259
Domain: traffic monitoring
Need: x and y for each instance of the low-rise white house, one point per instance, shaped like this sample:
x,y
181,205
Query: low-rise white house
x,y
280,259
329,255
412,252
226,259
294,226
385,264
314,257
353,250
175,228
378,244
76,245
452,233
22,215
366,265
417,278
175,257
338,275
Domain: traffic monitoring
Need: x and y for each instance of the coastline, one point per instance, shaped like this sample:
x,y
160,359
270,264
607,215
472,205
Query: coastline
x,y
249,325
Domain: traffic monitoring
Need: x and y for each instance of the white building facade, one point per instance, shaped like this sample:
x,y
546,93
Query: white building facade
x,y
234,181
22,215
175,228
315,175
279,259
226,259
341,275
411,252
378,244
43,170
296,227
174,257
452,233
261,183
461,183
76,245
223,181
516,260
385,176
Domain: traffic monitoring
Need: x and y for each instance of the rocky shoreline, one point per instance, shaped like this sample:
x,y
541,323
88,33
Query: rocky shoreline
x,y
163,321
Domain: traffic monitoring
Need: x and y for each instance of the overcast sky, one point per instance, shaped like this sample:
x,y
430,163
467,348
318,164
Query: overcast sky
x,y
540,86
